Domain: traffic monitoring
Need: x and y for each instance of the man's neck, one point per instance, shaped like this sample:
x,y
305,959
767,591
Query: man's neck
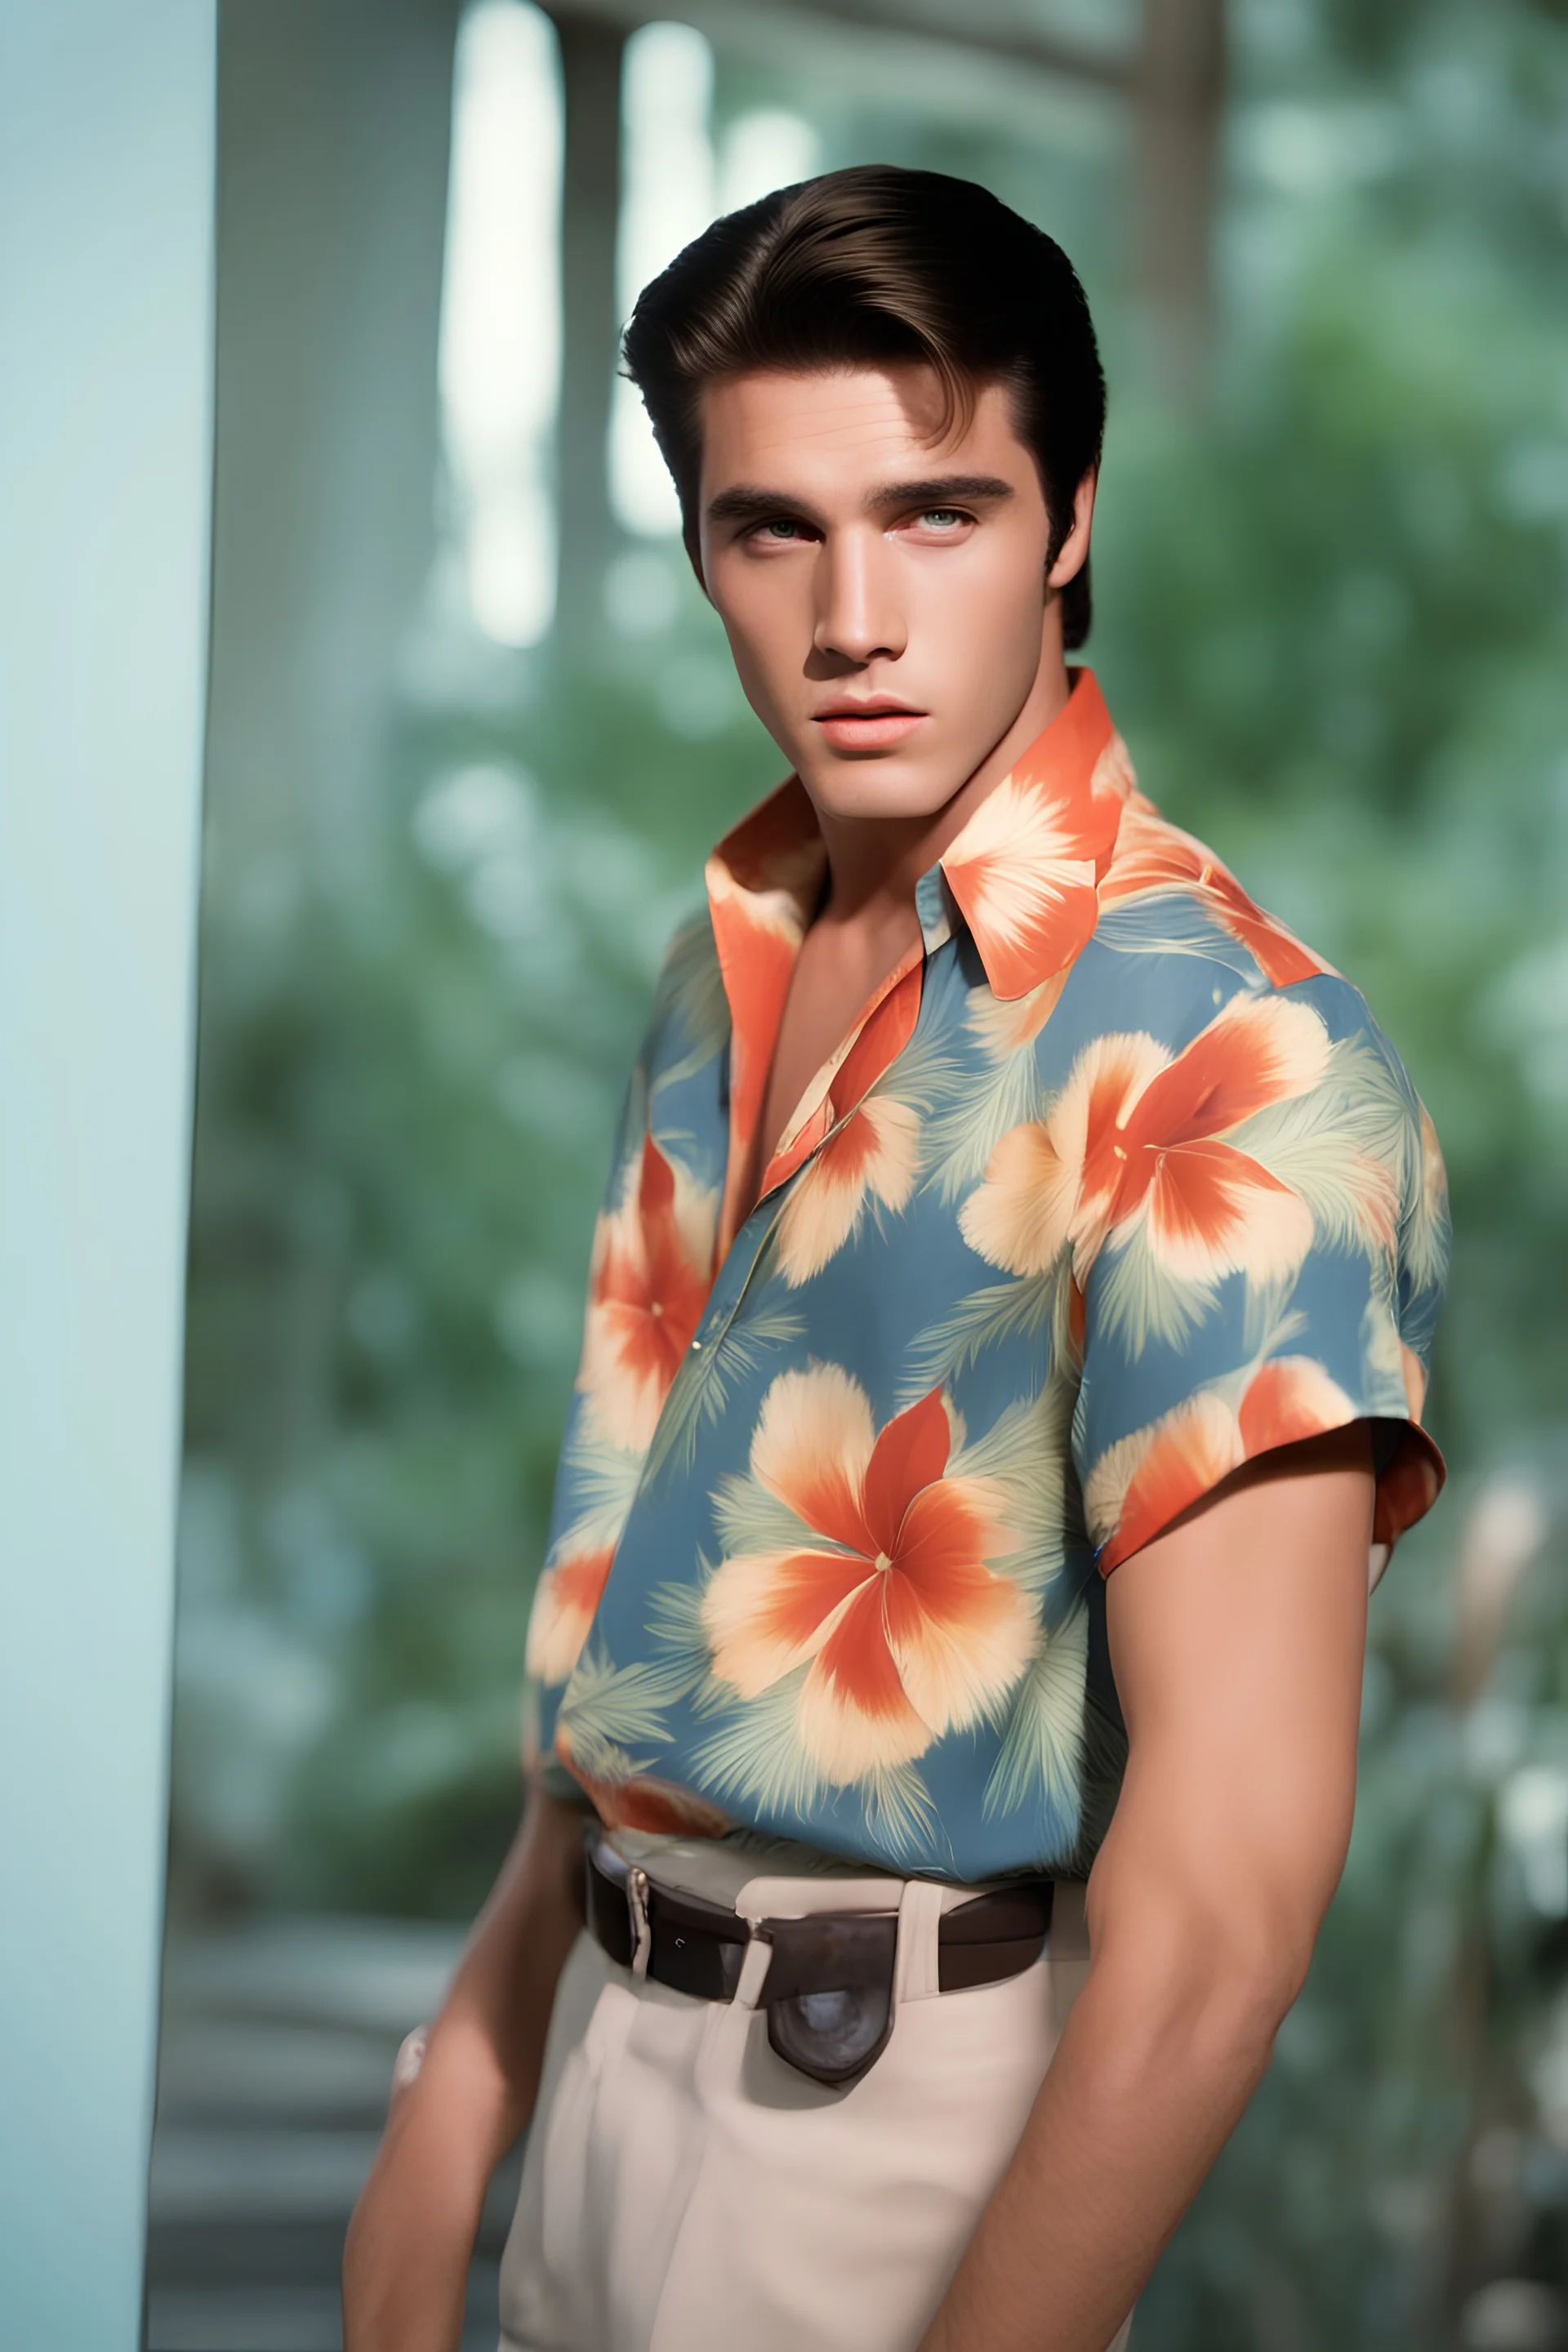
x,y
874,863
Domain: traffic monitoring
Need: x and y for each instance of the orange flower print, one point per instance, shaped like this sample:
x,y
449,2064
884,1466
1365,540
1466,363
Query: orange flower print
x,y
763,882
642,1800
1434,1175
568,1593
1004,1025
648,1281
1112,785
1152,857
1025,868
873,1154
1139,1486
1136,1139
1429,1229
875,1575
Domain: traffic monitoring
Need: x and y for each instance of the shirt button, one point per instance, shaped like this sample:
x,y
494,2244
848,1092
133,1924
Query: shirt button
x,y
696,1344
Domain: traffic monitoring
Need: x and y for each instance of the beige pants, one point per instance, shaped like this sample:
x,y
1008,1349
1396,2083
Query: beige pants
x,y
685,2190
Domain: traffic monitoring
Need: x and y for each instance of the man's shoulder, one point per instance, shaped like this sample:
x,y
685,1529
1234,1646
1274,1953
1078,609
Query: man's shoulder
x,y
1184,955
1178,934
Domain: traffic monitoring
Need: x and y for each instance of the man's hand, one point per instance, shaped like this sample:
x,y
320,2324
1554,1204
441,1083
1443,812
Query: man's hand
x,y
1237,1640
405,2262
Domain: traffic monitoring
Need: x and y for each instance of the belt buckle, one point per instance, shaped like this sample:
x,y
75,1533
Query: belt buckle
x,y
637,1912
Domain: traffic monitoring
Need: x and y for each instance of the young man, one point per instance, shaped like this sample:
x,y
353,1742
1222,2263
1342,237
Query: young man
x,y
1001,1382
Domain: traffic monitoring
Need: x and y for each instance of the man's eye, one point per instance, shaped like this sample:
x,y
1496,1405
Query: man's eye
x,y
943,518
783,527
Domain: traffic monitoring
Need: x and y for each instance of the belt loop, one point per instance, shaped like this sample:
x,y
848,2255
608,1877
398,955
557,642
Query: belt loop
x,y
637,1906
918,1974
753,1971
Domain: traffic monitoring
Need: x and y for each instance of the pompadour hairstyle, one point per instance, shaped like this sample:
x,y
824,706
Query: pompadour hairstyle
x,y
871,265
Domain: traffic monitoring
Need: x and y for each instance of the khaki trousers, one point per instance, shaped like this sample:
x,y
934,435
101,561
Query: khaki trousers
x,y
686,2190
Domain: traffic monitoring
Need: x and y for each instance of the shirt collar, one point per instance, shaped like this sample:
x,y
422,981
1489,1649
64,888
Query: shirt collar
x,y
1023,871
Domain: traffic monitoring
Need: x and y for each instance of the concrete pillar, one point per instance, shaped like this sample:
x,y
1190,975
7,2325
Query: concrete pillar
x,y
106,211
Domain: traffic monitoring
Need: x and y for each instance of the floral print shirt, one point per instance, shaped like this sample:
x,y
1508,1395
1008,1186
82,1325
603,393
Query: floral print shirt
x,y
1113,1186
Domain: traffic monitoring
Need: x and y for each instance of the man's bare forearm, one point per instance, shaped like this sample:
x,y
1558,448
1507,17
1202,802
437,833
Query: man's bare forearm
x,y
1153,2069
1236,1639
405,2261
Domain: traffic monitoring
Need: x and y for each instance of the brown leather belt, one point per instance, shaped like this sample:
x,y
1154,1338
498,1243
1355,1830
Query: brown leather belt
x,y
828,1990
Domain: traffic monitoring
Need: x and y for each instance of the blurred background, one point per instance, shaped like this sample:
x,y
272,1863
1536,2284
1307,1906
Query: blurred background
x,y
472,729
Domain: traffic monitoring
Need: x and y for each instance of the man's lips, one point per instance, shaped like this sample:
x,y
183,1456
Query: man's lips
x,y
867,725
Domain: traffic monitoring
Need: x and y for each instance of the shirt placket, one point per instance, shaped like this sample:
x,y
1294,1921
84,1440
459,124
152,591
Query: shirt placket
x,y
745,1254
733,1278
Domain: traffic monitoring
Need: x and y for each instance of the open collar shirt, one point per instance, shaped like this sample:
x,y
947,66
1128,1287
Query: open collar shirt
x,y
1113,1186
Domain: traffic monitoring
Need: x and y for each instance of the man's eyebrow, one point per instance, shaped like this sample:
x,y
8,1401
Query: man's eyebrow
x,y
940,490
746,502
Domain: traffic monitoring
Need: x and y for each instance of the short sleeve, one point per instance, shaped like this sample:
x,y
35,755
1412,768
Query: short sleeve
x,y
1263,1244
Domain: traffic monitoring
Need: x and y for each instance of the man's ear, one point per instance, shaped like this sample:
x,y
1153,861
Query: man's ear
x,y
1073,552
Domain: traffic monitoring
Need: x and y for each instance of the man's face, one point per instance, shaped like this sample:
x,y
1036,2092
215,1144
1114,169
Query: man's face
x,y
883,592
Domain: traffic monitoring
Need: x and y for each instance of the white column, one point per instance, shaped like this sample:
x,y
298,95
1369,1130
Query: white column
x,y
106,256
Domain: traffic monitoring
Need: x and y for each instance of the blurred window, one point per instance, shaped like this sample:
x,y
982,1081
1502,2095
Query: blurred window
x,y
500,321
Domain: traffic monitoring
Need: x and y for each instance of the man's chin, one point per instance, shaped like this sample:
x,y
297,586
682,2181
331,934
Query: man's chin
x,y
867,784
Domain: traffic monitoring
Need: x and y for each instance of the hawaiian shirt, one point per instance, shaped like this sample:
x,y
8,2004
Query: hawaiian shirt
x,y
1113,1186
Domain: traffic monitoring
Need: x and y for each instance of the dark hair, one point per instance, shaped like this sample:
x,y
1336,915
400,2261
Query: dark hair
x,y
877,264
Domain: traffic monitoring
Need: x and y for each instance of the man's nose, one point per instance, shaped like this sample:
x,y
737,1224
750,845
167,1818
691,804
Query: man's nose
x,y
860,610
